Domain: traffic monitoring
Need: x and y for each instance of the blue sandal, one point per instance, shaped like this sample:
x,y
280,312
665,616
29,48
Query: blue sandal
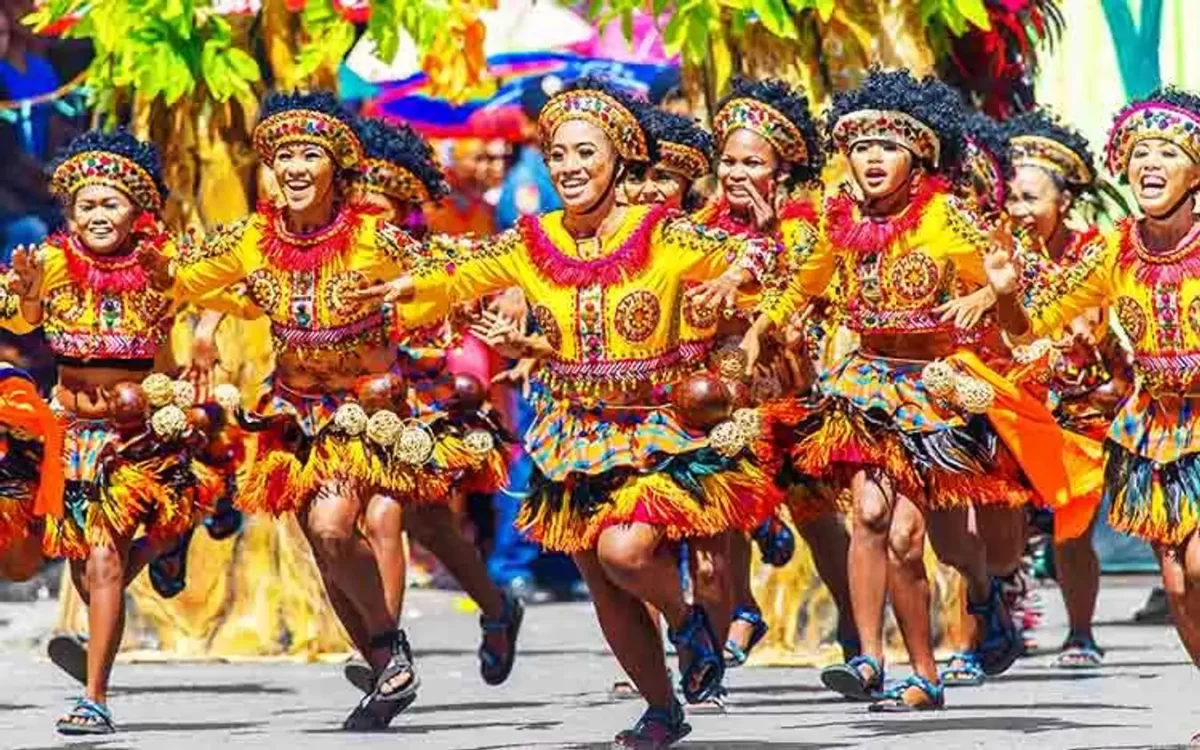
x,y
964,670
847,680
1080,652
657,729
1002,643
168,571
87,717
776,542
736,655
493,668
701,678
892,701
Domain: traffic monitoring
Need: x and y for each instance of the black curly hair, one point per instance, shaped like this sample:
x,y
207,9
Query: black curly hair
x,y
990,136
792,104
663,126
119,141
324,102
397,143
636,106
1044,123
1172,95
929,100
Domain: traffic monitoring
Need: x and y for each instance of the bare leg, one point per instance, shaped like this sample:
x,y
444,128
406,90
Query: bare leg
x,y
958,546
1004,531
1181,579
634,558
829,541
739,573
1079,581
143,552
384,523
711,577
909,587
868,562
22,560
631,635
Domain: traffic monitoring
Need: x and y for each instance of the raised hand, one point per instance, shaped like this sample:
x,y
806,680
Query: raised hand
x,y
159,267
517,376
763,206
397,290
502,334
718,293
511,303
204,356
966,311
29,267
1001,272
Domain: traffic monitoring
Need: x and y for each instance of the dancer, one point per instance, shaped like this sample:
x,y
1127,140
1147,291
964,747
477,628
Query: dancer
x,y
621,477
768,170
330,419
108,331
1146,273
902,421
1086,374
685,156
31,471
400,176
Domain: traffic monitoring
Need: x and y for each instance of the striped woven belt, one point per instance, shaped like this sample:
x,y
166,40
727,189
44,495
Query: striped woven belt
x,y
326,337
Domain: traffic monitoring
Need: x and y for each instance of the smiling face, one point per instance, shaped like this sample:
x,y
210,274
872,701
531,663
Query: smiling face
x,y
747,159
102,217
305,173
881,168
1036,202
1161,175
583,165
657,186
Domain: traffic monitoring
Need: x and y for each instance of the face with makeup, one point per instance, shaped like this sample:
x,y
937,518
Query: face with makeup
x,y
583,165
748,162
1037,201
881,168
102,217
657,185
305,174
1162,176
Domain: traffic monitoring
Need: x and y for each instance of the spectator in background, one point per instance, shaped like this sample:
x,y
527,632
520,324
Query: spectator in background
x,y
465,211
27,210
527,189
666,92
25,75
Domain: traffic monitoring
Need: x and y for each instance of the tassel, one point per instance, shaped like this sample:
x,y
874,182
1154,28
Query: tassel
x,y
273,484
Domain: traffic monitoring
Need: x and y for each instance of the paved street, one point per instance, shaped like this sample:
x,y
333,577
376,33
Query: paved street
x,y
1145,695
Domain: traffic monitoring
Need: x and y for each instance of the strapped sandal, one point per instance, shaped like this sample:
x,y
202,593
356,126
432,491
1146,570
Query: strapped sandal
x,y
87,717
70,655
776,542
1002,643
168,571
964,670
494,668
735,655
847,680
697,637
377,709
892,702
360,676
1080,652
658,728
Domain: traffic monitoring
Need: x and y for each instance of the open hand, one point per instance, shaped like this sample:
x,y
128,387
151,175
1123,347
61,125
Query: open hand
x,y
966,311
396,290
502,334
718,293
1001,272
158,267
29,266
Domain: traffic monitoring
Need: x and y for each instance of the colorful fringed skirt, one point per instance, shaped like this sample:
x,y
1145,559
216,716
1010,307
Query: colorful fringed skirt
x,y
878,413
164,494
1152,470
608,466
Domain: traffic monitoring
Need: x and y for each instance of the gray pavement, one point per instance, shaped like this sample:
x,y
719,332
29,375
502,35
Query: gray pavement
x,y
1146,695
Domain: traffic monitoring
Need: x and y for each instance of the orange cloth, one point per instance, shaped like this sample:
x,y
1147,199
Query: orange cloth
x,y
1065,469
462,214
22,407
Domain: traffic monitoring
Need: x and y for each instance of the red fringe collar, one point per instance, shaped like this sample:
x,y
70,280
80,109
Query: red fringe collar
x,y
849,231
801,208
565,270
1079,244
111,274
720,216
292,252
1158,268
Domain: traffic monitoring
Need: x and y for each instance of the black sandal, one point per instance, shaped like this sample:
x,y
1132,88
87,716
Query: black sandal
x,y
658,728
360,676
495,669
70,655
847,680
87,717
168,571
697,637
377,709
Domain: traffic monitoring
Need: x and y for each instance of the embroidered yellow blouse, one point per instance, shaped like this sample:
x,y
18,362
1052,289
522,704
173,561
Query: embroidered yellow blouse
x,y
306,298
83,322
891,274
611,308
1156,300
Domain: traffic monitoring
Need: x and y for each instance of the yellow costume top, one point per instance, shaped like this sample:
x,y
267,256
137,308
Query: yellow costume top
x,y
893,272
300,282
98,307
1155,297
610,306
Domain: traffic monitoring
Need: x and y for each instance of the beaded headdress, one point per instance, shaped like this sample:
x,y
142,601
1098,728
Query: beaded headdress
x,y
398,163
887,125
764,120
983,166
295,119
685,160
600,109
1047,153
393,180
1152,119
115,159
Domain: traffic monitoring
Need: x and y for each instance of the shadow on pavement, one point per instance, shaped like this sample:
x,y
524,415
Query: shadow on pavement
x,y
433,728
1012,723
237,688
